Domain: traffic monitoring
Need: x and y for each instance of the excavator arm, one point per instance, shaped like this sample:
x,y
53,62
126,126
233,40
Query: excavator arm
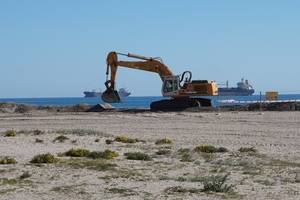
x,y
148,64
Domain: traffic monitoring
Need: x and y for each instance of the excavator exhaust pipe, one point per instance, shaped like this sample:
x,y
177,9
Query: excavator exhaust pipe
x,y
110,95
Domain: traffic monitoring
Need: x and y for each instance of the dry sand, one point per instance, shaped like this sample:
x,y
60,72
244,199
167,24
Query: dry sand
x,y
271,173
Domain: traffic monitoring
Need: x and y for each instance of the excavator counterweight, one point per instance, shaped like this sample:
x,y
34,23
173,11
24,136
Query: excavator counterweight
x,y
183,91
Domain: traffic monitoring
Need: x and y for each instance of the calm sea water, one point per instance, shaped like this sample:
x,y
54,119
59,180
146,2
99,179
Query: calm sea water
x,y
128,102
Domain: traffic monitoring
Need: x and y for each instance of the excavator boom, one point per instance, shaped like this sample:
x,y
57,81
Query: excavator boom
x,y
149,64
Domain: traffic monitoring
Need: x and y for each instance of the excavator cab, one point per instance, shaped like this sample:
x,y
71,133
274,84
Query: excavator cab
x,y
170,86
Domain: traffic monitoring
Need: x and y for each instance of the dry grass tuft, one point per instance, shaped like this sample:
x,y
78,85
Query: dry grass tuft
x,y
7,160
60,138
247,150
77,153
10,133
137,156
44,158
210,149
163,141
107,154
125,139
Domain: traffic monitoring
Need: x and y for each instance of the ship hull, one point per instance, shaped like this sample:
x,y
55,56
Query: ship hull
x,y
235,92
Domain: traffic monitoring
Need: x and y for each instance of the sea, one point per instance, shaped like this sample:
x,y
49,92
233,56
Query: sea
x,y
136,102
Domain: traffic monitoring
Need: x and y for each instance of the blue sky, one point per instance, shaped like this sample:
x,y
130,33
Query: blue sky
x,y
52,48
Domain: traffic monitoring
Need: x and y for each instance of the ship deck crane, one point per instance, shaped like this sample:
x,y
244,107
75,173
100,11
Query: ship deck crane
x,y
182,90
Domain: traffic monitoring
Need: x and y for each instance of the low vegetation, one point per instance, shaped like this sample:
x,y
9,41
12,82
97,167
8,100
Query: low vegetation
x,y
180,189
137,156
38,132
95,164
77,153
163,141
25,175
60,138
44,158
122,191
10,133
247,149
37,140
125,139
163,152
216,184
7,160
108,141
210,149
185,154
107,154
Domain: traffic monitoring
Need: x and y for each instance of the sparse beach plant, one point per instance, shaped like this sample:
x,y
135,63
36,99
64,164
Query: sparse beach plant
x,y
163,152
7,160
183,150
180,189
93,164
108,141
37,132
216,184
125,139
247,149
37,140
163,141
10,133
210,149
60,138
77,153
107,154
25,175
137,156
44,158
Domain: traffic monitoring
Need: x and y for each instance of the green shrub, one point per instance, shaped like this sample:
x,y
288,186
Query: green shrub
x,y
210,149
93,164
137,156
77,153
10,133
163,141
107,154
38,132
179,189
247,149
25,175
222,150
184,150
163,152
216,184
125,139
7,160
109,141
37,140
60,138
44,158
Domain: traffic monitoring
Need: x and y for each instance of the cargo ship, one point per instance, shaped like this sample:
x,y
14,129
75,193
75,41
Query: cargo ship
x,y
122,93
243,89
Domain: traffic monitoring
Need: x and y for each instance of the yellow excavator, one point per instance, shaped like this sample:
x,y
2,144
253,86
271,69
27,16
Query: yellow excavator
x,y
182,90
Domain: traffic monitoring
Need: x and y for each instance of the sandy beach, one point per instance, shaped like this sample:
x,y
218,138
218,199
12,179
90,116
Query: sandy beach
x,y
178,172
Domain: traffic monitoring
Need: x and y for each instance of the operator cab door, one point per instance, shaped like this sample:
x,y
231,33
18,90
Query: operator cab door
x,y
170,86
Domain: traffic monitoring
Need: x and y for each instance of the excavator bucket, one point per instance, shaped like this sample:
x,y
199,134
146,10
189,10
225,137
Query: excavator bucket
x,y
111,96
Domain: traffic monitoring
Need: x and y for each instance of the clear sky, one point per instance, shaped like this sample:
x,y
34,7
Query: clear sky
x,y
54,48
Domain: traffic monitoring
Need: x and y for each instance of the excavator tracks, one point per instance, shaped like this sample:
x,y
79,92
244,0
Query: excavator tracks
x,y
179,104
